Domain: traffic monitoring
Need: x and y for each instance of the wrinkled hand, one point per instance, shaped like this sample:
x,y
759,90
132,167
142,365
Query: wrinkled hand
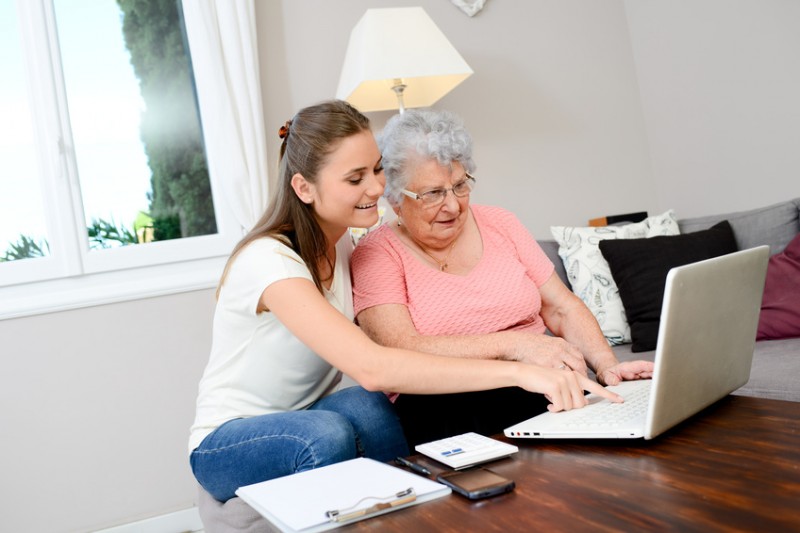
x,y
550,352
627,371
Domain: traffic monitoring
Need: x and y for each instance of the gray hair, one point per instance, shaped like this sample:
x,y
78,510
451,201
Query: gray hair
x,y
420,135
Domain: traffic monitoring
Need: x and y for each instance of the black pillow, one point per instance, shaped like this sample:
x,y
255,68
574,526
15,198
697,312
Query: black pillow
x,y
640,268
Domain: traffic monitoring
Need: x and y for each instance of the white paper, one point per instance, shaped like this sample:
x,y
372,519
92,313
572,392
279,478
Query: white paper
x,y
299,502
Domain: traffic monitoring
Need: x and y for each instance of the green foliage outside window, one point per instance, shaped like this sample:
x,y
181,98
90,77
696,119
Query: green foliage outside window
x,y
25,248
171,129
102,234
105,234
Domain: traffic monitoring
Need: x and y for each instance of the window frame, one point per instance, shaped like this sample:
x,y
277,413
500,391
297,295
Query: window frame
x,y
72,275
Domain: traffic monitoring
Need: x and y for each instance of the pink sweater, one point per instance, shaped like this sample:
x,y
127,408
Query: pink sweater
x,y
500,293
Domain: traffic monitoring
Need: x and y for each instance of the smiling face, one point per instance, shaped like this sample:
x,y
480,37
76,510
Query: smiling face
x,y
434,227
347,187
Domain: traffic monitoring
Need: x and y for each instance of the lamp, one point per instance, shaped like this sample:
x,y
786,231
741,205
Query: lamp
x,y
398,58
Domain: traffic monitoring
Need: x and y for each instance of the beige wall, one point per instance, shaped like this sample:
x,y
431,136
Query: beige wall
x,y
579,108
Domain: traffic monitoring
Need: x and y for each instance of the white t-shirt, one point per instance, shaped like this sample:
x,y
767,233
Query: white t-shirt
x,y
257,366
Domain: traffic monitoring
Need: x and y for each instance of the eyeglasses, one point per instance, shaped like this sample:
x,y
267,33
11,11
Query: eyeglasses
x,y
436,196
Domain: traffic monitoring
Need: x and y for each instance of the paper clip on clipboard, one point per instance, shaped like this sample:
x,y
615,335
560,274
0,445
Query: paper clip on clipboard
x,y
346,514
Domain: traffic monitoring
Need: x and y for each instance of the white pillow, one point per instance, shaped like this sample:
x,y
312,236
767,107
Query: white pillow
x,y
589,273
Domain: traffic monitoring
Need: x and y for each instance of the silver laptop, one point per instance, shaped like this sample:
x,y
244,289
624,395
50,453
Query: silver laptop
x,y
706,339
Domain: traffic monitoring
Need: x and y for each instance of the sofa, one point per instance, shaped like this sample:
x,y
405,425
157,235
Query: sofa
x,y
776,363
775,372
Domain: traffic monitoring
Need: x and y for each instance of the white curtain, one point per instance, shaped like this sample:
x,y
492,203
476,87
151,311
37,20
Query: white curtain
x,y
222,39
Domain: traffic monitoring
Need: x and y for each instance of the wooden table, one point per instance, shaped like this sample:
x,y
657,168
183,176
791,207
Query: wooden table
x,y
733,467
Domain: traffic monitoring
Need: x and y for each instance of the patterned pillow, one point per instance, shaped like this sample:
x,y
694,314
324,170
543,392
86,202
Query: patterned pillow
x,y
589,273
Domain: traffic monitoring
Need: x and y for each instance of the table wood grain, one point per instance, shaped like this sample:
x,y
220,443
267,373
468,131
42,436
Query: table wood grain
x,y
733,467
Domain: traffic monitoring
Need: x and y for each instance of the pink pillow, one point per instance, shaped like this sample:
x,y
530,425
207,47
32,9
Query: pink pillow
x,y
780,308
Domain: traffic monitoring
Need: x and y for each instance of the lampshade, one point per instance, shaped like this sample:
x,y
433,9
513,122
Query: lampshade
x,y
398,46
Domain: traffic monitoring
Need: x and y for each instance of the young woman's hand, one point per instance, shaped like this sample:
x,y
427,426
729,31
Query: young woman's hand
x,y
563,388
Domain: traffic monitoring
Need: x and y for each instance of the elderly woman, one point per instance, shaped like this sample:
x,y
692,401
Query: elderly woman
x,y
466,281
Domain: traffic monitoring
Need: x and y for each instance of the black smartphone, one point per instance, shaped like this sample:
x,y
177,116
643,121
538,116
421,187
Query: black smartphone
x,y
476,483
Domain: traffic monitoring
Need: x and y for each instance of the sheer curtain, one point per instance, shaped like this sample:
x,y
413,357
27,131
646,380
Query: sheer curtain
x,y
222,39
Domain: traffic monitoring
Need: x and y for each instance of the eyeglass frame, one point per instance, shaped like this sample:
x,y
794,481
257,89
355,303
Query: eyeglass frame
x,y
416,196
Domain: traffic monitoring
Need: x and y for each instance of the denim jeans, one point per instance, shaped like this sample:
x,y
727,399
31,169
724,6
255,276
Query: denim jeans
x,y
347,424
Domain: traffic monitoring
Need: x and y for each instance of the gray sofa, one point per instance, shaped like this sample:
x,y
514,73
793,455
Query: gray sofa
x,y
775,372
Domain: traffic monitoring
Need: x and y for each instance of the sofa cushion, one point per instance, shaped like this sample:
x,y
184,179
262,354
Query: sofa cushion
x,y
232,516
774,225
588,272
780,307
640,268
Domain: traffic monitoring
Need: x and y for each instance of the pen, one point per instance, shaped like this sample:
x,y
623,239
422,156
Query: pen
x,y
413,466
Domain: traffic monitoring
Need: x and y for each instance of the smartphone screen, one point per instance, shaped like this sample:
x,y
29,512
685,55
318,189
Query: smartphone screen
x,y
476,483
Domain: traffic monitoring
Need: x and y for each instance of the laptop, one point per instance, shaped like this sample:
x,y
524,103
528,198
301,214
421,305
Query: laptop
x,y
706,338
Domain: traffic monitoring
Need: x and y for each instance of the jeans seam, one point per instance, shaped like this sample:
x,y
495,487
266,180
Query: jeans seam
x,y
305,443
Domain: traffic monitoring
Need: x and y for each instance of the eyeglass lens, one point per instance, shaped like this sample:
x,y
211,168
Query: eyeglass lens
x,y
462,188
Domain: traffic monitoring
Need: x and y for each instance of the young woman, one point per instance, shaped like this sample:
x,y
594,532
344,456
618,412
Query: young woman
x,y
283,333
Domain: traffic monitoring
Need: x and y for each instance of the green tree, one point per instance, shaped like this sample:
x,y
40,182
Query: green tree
x,y
171,129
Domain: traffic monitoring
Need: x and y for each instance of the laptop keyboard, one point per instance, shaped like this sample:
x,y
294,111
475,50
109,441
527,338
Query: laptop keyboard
x,y
609,414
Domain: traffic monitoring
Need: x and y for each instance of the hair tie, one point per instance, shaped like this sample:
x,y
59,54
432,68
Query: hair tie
x,y
283,131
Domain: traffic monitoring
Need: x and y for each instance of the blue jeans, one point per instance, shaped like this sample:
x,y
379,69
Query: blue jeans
x,y
347,424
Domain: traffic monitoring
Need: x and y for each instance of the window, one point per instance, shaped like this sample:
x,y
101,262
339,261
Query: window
x,y
105,187
21,209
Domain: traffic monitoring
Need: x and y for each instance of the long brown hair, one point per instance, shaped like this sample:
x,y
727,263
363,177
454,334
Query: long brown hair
x,y
308,138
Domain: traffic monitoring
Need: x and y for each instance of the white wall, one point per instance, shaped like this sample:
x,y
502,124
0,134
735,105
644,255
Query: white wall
x,y
720,84
553,105
95,409
579,108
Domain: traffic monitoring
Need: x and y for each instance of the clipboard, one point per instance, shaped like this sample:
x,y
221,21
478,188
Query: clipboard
x,y
339,494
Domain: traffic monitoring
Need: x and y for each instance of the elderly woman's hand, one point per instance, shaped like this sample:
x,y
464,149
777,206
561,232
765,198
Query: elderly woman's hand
x,y
547,351
626,371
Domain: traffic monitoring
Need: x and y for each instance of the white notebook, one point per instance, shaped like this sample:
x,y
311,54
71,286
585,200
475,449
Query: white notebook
x,y
463,451
361,488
